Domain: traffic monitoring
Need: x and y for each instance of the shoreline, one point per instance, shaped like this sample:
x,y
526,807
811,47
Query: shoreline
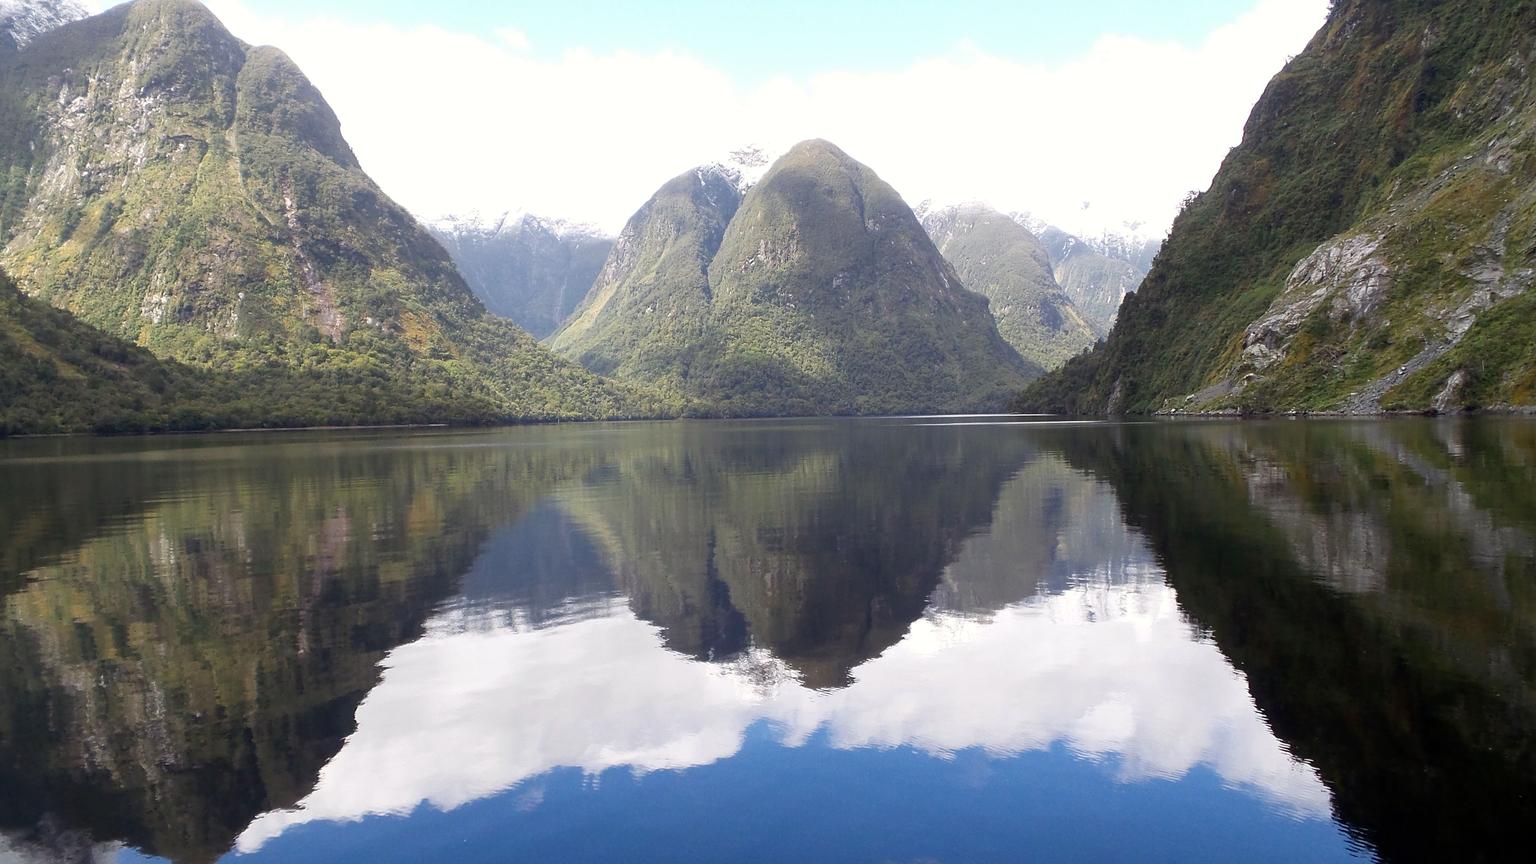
x,y
1233,413
1226,414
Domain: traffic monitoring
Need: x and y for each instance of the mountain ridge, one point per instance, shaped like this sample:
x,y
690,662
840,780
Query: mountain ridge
x,y
817,291
21,21
532,270
180,189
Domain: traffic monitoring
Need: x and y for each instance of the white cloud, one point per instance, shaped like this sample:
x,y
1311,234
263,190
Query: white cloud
x,y
513,38
456,122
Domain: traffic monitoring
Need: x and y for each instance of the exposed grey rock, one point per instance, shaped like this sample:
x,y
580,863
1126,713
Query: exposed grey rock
x,y
1346,274
1448,398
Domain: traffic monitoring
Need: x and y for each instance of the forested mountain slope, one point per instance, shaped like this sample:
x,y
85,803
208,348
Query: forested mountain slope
x,y
816,292
181,190
1367,247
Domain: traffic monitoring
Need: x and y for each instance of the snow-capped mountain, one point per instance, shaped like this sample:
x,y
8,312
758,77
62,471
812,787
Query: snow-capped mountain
x,y
477,224
21,21
531,269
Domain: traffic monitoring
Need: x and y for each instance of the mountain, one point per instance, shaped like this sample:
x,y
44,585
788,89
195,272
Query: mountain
x,y
648,313
178,189
1098,274
531,270
1002,261
1367,247
21,21
816,292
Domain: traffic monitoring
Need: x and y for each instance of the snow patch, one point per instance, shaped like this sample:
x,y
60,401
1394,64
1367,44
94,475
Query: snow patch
x,y
25,20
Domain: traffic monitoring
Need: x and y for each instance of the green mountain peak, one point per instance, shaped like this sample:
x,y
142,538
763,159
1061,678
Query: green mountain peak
x,y
817,292
176,188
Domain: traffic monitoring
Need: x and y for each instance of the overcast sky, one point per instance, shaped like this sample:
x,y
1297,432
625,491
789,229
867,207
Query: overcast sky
x,y
1090,114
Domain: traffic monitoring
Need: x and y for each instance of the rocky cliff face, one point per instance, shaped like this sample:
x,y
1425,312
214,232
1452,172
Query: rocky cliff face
x,y
533,271
177,188
817,292
1368,247
1002,261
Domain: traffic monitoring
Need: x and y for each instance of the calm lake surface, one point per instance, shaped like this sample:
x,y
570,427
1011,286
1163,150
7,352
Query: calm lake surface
x,y
957,640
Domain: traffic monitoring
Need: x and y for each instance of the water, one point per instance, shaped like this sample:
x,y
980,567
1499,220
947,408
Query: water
x,y
886,640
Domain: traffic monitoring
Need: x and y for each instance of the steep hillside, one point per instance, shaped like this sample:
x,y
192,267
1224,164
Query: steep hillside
x,y
530,270
1368,246
1002,261
178,189
650,307
816,293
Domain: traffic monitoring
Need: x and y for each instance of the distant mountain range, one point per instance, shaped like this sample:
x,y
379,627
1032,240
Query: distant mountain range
x,y
1053,294
998,258
1098,274
531,270
21,21
176,190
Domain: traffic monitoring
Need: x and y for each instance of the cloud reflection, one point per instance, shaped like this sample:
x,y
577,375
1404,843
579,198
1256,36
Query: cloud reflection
x,y
1109,669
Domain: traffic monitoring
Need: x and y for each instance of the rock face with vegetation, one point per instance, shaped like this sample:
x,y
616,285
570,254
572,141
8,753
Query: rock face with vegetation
x,y
1098,274
531,270
817,292
178,189
1368,247
1002,261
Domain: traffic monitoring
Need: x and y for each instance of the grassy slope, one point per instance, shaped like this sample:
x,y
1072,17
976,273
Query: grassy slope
x,y
57,374
1385,94
830,298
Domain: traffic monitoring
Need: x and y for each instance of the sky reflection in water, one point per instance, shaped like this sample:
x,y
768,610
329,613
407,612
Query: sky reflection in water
x,y
788,640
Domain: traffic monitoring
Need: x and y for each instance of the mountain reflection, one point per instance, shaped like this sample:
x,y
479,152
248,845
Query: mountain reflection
x,y
206,642
1374,583
1098,658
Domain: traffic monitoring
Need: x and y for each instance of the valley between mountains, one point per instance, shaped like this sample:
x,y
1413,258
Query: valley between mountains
x,y
189,242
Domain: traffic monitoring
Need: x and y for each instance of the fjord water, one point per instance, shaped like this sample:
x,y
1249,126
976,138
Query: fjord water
x,y
982,639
